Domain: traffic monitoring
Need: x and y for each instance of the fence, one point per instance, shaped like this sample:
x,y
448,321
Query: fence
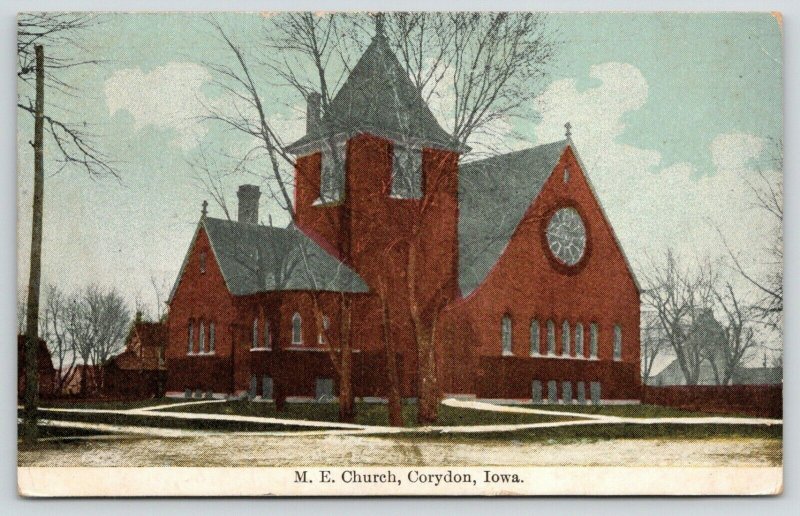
x,y
755,400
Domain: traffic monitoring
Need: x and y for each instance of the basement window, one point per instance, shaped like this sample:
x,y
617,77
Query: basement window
x,y
406,172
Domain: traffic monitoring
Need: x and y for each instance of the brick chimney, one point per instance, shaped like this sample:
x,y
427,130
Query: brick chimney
x,y
248,203
313,108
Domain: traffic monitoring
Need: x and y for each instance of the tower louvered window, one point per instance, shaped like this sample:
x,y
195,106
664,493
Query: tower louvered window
x,y
332,171
407,172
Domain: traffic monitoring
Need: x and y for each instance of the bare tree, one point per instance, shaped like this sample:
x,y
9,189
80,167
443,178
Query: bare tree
x,y
109,319
73,143
679,295
767,191
739,340
654,342
98,321
57,333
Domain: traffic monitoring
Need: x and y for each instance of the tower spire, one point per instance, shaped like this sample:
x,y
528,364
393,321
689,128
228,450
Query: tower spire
x,y
379,27
568,130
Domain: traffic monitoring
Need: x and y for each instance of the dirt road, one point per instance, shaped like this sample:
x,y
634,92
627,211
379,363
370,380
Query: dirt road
x,y
349,450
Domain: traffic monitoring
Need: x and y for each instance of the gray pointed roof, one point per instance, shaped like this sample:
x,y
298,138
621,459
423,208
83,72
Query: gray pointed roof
x,y
493,196
378,97
256,258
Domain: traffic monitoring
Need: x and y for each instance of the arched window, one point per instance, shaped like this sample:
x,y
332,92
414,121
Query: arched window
x,y
617,342
202,262
593,337
297,329
326,324
202,337
267,335
190,349
212,337
254,344
551,337
505,334
534,337
579,340
565,339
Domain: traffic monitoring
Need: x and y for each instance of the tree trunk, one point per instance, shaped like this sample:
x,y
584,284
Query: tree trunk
x,y
346,406
428,392
30,428
395,405
279,381
427,380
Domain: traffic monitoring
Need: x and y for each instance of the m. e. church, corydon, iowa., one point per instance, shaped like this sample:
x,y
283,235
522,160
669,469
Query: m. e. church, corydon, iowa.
x,y
510,261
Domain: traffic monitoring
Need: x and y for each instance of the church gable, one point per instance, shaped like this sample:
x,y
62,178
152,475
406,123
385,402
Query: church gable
x,y
515,208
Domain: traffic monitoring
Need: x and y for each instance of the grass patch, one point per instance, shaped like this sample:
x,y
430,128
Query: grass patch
x,y
641,411
169,422
373,414
108,405
605,432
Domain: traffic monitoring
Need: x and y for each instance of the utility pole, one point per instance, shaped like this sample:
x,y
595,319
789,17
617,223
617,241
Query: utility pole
x,y
30,428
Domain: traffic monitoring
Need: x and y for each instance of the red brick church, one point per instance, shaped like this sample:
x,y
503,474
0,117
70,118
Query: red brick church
x,y
511,259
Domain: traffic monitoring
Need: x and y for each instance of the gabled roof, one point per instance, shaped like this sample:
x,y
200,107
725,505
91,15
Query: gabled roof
x,y
493,196
378,97
254,258
151,334
43,359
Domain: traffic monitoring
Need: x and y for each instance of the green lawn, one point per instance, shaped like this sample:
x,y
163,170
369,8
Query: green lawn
x,y
596,433
643,411
373,414
109,405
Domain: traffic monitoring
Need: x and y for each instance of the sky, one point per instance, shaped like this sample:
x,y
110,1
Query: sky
x,y
672,115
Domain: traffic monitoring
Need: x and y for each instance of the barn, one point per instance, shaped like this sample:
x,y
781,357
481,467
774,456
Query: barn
x,y
508,265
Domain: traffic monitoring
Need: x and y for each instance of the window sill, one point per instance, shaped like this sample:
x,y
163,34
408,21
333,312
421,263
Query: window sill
x,y
260,349
302,348
508,354
201,354
403,198
325,203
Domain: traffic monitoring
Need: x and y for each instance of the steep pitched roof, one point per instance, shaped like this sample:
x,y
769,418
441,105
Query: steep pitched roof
x,y
151,334
508,183
378,97
43,359
255,258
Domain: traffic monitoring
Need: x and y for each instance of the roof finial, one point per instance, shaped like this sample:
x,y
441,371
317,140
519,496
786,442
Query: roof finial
x,y
568,133
204,211
379,28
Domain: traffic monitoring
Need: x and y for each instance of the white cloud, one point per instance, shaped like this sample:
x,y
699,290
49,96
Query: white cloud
x,y
167,97
652,206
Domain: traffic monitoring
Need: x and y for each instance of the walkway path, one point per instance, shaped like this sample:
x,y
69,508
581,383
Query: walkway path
x,y
334,428
714,420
